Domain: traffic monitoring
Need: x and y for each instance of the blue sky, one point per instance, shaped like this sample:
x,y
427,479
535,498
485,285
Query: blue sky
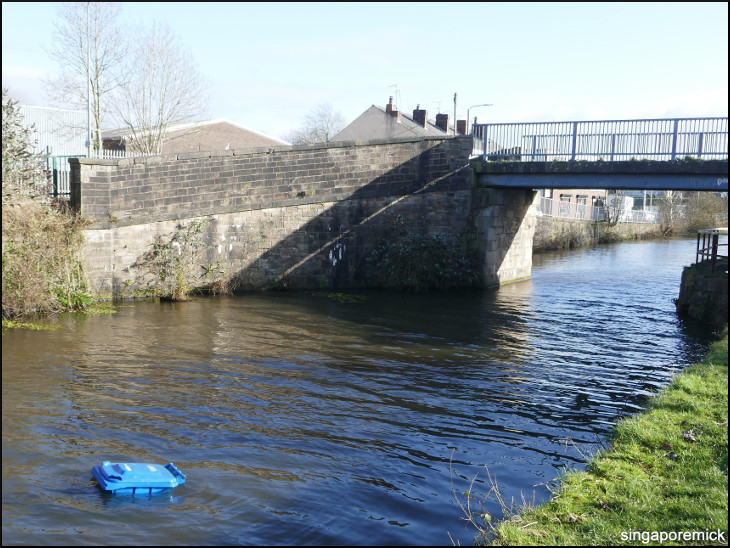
x,y
270,64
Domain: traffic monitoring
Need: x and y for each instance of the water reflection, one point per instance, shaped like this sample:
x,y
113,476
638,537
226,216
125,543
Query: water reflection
x,y
307,419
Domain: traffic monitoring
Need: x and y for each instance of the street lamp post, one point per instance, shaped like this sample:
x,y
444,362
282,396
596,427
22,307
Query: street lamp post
x,y
88,85
468,120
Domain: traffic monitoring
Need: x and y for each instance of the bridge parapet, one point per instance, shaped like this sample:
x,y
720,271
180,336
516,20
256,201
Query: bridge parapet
x,y
703,175
129,191
608,140
297,217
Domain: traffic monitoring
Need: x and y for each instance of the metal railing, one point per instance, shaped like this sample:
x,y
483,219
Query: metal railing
x,y
61,172
708,245
609,140
573,211
570,210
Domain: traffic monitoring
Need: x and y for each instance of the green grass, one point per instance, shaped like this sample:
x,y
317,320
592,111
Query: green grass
x,y
666,471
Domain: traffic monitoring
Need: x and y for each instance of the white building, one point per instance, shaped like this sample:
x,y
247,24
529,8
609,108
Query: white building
x,y
58,131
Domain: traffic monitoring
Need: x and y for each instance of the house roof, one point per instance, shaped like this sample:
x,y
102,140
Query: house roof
x,y
376,123
256,138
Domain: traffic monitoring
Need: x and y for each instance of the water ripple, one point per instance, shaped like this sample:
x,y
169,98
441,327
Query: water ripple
x,y
301,420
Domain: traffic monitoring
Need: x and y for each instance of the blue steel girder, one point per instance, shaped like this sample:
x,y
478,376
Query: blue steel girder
x,y
711,175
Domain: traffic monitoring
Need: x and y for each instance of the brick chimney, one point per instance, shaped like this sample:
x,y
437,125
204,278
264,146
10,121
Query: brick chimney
x,y
442,121
461,127
420,116
390,109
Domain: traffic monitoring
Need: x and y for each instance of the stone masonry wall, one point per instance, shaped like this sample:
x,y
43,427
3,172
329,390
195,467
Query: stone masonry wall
x,y
703,295
297,217
503,225
131,191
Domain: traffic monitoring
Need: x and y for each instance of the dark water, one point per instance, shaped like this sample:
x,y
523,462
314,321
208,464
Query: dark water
x,y
301,419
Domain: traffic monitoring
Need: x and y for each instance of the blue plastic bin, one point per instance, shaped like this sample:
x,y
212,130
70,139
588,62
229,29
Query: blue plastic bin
x,y
136,477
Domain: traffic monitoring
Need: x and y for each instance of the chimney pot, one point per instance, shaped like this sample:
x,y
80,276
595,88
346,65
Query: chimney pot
x,y
389,106
390,109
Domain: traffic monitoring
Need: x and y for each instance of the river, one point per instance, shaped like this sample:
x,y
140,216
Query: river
x,y
335,419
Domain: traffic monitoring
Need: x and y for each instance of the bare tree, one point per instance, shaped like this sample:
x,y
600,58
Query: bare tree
x,y
320,126
616,206
670,210
89,49
163,87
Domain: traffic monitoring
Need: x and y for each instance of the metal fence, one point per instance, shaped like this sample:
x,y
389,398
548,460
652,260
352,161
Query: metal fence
x,y
61,174
550,207
570,210
609,140
708,247
60,170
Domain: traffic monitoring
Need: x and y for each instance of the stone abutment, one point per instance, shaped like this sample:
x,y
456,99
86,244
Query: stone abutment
x,y
295,217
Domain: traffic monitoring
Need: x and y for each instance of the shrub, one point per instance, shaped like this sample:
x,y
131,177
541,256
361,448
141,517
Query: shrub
x,y
173,259
41,243
42,268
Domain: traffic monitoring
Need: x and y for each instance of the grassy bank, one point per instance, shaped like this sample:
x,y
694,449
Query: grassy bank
x,y
666,471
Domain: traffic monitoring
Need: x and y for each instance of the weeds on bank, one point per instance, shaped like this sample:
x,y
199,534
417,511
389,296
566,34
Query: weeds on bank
x,y
170,262
474,508
95,309
666,471
12,324
42,269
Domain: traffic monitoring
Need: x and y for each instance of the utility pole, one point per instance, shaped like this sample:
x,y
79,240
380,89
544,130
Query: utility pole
x,y
88,84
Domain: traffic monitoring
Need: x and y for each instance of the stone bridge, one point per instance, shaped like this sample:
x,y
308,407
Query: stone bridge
x,y
290,217
295,217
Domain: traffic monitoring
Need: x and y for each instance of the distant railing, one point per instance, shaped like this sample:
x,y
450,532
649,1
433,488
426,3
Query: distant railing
x,y
61,172
609,140
60,175
708,245
570,210
583,212
106,154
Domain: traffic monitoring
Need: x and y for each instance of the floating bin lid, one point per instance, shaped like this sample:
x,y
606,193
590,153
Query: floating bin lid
x,y
133,477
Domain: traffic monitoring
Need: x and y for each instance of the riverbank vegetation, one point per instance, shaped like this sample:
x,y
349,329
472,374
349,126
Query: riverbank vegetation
x,y
552,233
42,270
666,471
681,214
